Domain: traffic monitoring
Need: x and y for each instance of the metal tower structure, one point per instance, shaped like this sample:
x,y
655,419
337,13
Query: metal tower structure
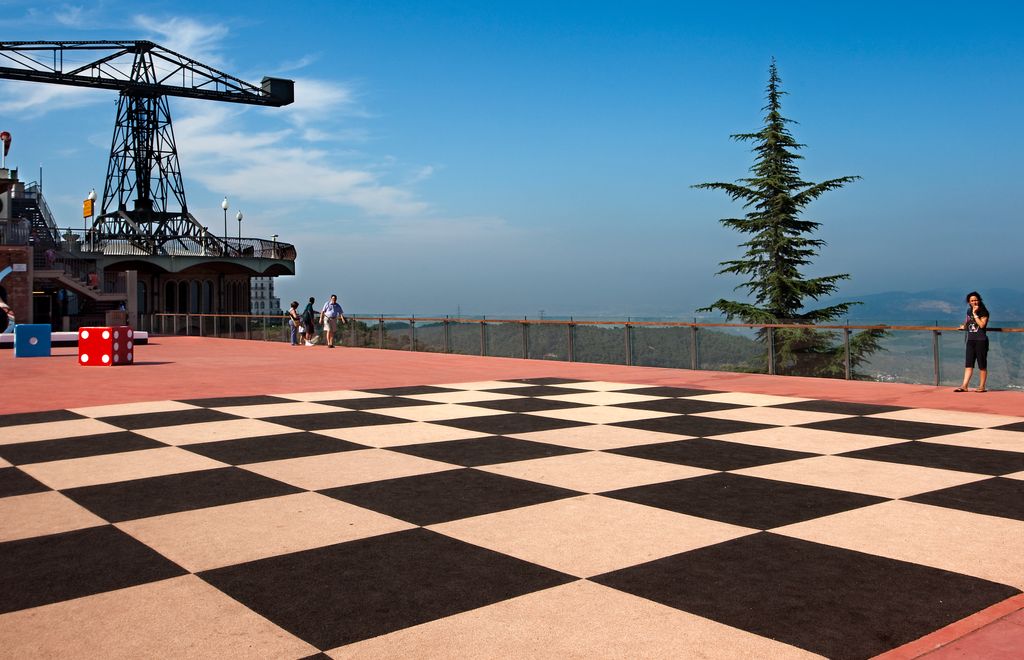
x,y
143,198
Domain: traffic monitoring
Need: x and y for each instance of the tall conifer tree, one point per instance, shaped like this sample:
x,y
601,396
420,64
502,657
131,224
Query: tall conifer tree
x,y
780,245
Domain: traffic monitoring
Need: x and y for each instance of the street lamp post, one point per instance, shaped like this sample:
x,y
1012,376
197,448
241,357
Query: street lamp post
x,y
238,217
224,205
92,211
274,253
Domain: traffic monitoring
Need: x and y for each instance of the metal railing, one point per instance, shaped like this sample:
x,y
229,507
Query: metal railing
x,y
906,353
88,242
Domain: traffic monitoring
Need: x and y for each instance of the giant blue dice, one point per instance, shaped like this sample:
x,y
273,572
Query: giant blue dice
x,y
32,340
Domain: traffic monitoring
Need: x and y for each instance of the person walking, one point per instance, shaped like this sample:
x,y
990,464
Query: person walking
x,y
294,322
308,322
977,342
331,312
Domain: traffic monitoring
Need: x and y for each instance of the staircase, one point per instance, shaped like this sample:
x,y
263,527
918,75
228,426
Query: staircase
x,y
82,288
32,205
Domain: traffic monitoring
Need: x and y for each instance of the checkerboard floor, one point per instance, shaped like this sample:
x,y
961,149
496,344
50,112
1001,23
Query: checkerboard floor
x,y
543,517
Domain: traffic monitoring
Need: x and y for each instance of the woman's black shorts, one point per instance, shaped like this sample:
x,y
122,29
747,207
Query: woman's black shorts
x,y
977,350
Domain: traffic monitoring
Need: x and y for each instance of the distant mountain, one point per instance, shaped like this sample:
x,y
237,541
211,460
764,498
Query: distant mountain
x,y
946,306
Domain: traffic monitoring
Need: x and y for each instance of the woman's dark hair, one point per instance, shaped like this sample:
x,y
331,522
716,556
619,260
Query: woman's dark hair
x,y
312,300
295,303
982,310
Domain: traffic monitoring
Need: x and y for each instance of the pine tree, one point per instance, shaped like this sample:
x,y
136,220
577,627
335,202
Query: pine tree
x,y
780,245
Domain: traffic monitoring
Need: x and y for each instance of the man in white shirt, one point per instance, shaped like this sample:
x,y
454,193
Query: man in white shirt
x,y
331,312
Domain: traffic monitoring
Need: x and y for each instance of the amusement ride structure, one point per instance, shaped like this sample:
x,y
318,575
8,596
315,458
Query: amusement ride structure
x,y
144,224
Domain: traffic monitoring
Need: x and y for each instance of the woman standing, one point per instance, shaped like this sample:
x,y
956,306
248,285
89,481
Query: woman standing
x,y
294,322
309,323
977,341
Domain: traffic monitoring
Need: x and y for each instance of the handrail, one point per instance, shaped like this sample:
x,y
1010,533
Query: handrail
x,y
212,246
265,324
659,324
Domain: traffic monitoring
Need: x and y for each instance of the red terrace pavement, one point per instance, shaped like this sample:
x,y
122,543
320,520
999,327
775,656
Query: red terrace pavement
x,y
197,367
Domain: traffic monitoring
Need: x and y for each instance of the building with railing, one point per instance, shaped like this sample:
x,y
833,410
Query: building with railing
x,y
69,277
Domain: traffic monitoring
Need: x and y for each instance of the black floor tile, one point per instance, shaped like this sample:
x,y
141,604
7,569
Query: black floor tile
x,y
227,401
371,403
540,390
411,389
15,482
711,454
271,448
679,406
839,407
334,420
170,418
48,569
690,425
886,428
344,593
525,404
510,424
428,499
839,603
672,391
991,497
545,381
485,451
155,496
24,453
946,457
17,419
745,501
1016,426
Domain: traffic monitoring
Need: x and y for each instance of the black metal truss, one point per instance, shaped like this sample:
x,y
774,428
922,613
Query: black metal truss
x,y
144,198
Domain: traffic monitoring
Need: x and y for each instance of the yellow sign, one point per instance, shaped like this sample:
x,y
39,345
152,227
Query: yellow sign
x,y
87,208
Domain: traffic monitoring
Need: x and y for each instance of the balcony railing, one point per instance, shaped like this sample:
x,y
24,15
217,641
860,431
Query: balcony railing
x,y
212,246
907,353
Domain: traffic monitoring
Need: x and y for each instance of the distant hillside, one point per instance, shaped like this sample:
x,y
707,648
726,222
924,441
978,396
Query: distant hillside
x,y
946,306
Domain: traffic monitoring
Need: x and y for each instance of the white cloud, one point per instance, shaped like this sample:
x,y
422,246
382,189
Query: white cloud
x,y
70,15
295,65
186,36
34,99
252,164
319,100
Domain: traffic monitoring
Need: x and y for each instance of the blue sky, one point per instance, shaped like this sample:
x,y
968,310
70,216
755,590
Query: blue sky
x,y
507,158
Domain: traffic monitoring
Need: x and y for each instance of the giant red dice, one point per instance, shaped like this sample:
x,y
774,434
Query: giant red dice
x,y
105,346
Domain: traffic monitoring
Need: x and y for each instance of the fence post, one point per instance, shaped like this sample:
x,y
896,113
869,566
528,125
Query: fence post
x,y
264,320
483,337
628,334
847,360
771,351
526,340
248,326
412,334
447,336
380,331
935,355
188,325
694,362
570,338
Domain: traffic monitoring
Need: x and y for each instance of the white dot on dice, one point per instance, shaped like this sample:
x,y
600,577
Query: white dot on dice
x,y
85,357
106,334
105,358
